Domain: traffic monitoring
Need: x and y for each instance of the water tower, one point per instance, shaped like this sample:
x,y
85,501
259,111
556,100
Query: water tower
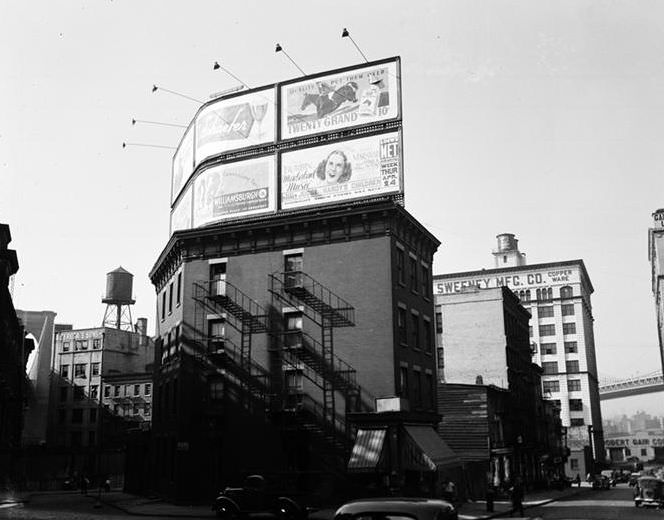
x,y
118,300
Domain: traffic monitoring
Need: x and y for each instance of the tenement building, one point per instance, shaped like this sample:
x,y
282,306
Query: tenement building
x,y
656,257
557,295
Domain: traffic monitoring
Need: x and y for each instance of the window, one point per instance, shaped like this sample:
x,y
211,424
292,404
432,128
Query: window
x,y
413,273
65,346
163,306
566,292
527,295
401,267
556,403
418,388
293,326
137,389
64,391
403,382
428,336
81,344
424,280
530,331
116,391
431,389
550,367
547,330
439,320
294,380
77,416
401,326
75,439
136,410
545,312
441,358
91,438
170,297
216,389
94,391
570,347
293,265
548,348
96,343
62,416
79,370
107,391
550,386
147,409
415,330
572,366
644,452
576,421
178,293
628,452
79,393
568,309
576,405
574,464
574,385
95,368
544,294
569,328
147,389
64,371
93,415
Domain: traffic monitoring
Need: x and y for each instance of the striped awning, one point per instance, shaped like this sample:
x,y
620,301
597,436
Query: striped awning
x,y
428,450
367,450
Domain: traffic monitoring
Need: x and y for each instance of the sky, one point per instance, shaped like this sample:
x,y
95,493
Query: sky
x,y
543,119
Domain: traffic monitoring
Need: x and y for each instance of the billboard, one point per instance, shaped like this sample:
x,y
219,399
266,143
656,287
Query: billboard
x,y
357,168
332,102
183,163
181,214
235,189
235,122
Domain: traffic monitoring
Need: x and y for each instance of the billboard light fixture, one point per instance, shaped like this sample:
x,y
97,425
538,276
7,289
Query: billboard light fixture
x,y
124,145
155,88
279,48
346,34
217,66
134,121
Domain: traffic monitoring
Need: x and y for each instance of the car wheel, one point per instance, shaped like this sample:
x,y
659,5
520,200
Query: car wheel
x,y
288,510
227,511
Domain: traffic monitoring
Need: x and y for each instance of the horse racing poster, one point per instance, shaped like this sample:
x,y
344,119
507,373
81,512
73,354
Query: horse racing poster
x,y
342,100
359,168
236,189
236,122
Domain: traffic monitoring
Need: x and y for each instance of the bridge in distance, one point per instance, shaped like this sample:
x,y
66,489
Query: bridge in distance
x,y
637,385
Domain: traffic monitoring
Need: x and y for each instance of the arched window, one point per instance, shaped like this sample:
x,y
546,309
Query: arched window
x,y
539,294
566,292
528,295
549,294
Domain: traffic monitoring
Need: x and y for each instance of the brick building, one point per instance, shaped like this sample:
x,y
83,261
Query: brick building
x,y
656,257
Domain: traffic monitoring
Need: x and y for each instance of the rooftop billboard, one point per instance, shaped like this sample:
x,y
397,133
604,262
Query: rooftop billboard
x,y
183,163
181,214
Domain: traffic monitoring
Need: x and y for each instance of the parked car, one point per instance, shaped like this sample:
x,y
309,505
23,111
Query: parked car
x,y
253,497
397,508
611,475
601,482
649,491
633,478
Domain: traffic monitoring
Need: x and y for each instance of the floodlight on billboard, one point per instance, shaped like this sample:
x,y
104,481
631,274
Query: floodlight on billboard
x,y
335,101
181,214
234,190
183,163
358,168
235,122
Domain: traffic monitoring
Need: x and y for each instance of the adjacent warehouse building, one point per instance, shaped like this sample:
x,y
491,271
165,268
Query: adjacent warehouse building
x,y
557,295
656,257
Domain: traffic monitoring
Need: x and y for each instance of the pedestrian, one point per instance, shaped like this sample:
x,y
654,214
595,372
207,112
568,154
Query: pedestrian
x,y
516,494
577,480
84,484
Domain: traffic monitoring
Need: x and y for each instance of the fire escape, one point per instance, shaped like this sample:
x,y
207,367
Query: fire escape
x,y
245,380
316,360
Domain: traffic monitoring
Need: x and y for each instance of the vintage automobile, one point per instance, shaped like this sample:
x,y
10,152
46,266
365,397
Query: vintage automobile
x,y
397,509
601,482
611,475
235,503
649,491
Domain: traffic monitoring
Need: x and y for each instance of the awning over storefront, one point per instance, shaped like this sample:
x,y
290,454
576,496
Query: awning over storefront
x,y
427,451
367,450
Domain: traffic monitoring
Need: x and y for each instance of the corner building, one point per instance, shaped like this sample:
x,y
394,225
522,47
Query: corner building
x,y
271,331
557,295
656,257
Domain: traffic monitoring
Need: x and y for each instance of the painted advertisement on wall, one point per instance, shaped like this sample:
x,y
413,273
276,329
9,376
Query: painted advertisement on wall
x,y
353,169
237,189
233,123
181,214
328,103
183,163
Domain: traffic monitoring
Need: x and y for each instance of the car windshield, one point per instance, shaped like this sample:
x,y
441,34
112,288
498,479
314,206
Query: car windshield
x,y
383,516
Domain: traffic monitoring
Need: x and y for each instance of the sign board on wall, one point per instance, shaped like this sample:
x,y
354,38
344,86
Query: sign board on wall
x,y
523,280
658,219
235,189
183,163
368,94
234,123
181,214
358,168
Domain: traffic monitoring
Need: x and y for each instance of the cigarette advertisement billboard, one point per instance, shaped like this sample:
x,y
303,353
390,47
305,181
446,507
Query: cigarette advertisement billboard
x,y
236,122
183,163
358,168
235,189
341,100
181,214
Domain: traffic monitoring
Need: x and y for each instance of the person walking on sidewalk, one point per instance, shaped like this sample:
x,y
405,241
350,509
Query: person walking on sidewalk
x,y
577,480
516,494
